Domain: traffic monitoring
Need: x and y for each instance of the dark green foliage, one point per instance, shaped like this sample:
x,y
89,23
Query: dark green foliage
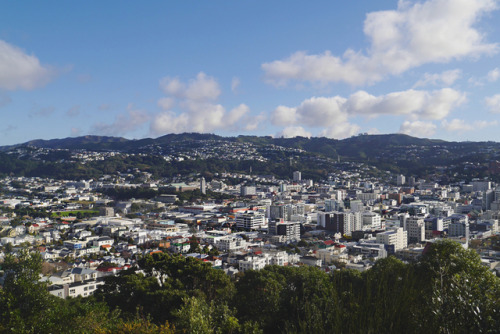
x,y
448,291
315,157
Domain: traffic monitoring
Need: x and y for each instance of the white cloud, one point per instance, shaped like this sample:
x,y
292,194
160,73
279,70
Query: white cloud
x,y
493,103
418,128
462,125
294,131
235,83
198,117
445,78
328,111
316,112
493,75
412,103
198,113
435,31
332,114
236,114
253,122
19,70
283,115
373,131
169,122
124,123
340,130
202,88
320,112
166,103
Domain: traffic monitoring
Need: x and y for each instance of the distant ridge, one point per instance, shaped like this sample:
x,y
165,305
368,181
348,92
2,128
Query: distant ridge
x,y
123,144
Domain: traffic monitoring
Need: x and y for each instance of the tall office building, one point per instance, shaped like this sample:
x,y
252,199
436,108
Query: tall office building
x,y
341,222
415,226
297,176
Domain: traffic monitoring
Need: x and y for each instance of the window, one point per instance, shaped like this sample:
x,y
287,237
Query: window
x,y
91,287
72,291
85,289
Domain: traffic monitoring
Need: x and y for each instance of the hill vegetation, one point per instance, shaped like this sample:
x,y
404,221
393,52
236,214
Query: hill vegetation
x,y
315,157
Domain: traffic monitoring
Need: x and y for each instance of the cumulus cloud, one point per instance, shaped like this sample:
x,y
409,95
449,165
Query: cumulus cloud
x,y
445,78
166,103
332,114
202,88
418,128
328,113
315,112
253,122
493,75
19,70
413,103
294,131
493,103
124,123
198,118
462,125
340,130
198,110
435,31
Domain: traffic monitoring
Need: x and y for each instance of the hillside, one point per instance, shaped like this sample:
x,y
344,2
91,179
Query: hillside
x,y
194,152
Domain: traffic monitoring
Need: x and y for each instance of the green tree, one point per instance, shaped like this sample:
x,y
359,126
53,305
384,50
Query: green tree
x,y
24,299
194,245
459,294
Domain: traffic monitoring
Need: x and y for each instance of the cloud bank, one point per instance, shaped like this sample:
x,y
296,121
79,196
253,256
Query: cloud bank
x,y
331,115
199,111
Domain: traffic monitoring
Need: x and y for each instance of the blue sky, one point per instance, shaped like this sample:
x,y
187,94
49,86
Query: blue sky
x,y
281,68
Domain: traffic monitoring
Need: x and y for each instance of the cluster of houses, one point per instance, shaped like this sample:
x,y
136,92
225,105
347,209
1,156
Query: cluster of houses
x,y
346,221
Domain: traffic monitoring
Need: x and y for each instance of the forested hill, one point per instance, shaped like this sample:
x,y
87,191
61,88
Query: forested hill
x,y
317,156
314,144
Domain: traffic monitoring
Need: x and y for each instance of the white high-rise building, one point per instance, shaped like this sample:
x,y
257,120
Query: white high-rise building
x,y
371,220
250,220
401,180
248,190
297,176
396,236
